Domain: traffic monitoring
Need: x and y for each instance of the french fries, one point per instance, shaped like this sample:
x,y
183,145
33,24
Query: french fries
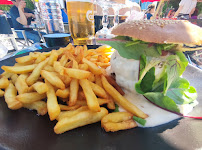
x,y
10,97
121,100
70,86
78,120
74,89
30,97
76,73
39,106
52,103
66,114
21,84
92,67
63,93
36,73
24,59
4,83
118,121
40,87
99,91
91,99
114,84
19,69
53,79
65,107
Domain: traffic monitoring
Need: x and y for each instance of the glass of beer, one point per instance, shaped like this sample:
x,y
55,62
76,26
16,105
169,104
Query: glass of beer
x,y
81,21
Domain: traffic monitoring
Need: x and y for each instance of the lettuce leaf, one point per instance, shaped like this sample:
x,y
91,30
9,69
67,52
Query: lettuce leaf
x,y
163,101
181,91
169,89
133,51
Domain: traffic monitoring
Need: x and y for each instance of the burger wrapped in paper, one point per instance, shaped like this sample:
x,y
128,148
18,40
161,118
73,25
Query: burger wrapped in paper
x,y
149,62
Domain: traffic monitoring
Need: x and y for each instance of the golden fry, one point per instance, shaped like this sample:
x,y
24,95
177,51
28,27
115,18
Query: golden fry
x,y
10,97
39,106
52,103
78,120
53,57
76,73
80,55
75,64
66,79
14,78
47,54
92,67
110,104
40,87
24,59
103,65
30,97
90,96
83,67
70,113
36,73
58,67
74,88
4,83
21,85
53,79
117,117
6,74
65,107
111,126
49,68
19,69
99,91
40,59
100,101
114,84
63,93
63,60
98,80
122,100
118,121
91,77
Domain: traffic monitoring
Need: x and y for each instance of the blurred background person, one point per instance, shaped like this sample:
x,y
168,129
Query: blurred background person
x,y
22,16
186,8
150,11
1,12
171,13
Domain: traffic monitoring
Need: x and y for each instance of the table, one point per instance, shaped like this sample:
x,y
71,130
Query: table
x,y
38,28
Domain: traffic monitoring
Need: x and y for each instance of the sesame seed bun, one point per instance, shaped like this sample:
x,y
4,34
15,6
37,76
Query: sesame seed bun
x,y
161,31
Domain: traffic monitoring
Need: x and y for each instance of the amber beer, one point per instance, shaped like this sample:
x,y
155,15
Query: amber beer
x,y
81,20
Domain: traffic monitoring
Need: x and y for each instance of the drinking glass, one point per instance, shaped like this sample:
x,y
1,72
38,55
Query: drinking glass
x,y
81,21
104,32
116,7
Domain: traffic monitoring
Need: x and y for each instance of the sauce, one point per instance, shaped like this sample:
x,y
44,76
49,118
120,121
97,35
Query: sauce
x,y
157,116
127,71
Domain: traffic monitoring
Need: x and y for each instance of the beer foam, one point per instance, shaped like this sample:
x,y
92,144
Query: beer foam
x,y
79,1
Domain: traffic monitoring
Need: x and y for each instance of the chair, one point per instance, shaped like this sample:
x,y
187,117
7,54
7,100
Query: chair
x,y
6,29
27,41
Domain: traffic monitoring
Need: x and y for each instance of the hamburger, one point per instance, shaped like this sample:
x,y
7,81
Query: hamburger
x,y
149,62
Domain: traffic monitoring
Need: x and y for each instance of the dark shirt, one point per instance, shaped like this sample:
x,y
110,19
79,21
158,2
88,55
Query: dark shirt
x,y
149,16
15,14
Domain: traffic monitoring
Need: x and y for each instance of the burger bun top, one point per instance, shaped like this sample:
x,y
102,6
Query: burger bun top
x,y
161,31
